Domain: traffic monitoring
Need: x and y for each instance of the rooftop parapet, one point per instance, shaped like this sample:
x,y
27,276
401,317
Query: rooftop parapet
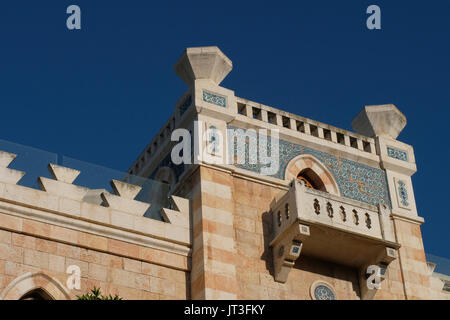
x,y
209,63
310,127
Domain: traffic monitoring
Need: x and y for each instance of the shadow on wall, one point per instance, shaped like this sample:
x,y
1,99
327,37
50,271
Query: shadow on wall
x,y
266,220
307,269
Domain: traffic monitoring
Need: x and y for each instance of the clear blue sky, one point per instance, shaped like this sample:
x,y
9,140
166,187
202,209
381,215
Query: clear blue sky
x,y
100,94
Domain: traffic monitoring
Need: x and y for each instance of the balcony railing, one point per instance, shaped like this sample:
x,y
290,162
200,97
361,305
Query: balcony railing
x,y
330,227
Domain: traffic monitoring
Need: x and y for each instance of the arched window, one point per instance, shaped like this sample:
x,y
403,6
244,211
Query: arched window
x,y
313,172
311,179
36,294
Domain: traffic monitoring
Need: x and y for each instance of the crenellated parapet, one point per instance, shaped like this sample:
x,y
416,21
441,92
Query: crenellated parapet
x,y
115,215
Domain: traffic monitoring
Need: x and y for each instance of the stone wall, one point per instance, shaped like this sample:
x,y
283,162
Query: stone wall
x,y
214,253
252,228
231,245
120,270
223,253
417,278
237,207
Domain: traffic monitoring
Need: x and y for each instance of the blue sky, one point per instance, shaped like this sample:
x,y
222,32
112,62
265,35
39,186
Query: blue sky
x,y
101,93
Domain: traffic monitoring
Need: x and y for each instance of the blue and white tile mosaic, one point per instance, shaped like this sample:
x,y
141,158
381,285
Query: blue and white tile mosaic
x,y
214,99
322,292
403,193
355,180
397,154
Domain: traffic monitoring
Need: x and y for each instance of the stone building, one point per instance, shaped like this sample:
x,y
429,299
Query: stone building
x,y
265,205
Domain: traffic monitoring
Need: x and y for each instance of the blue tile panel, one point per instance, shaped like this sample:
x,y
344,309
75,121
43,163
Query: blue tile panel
x,y
355,180
214,99
397,154
403,192
322,292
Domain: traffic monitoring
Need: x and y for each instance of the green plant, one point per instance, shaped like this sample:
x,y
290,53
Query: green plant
x,y
96,295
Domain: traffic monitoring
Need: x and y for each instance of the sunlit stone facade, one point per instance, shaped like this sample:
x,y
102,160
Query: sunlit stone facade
x,y
336,203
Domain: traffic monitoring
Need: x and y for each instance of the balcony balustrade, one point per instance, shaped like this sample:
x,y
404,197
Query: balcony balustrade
x,y
329,227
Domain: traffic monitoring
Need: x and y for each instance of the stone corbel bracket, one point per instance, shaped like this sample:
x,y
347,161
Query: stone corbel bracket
x,y
286,248
386,256
9,175
288,234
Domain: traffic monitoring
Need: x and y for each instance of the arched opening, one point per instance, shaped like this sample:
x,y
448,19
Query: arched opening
x,y
36,294
311,179
35,286
316,175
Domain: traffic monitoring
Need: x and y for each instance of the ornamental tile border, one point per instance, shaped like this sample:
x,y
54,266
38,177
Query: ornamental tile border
x,y
397,154
214,99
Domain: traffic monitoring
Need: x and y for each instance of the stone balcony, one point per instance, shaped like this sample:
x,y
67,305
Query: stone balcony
x,y
329,227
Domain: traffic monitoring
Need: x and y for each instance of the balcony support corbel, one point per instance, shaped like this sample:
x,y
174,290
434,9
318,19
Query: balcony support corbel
x,y
366,274
286,249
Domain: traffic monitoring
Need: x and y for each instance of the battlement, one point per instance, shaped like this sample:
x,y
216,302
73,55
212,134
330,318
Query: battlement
x,y
116,215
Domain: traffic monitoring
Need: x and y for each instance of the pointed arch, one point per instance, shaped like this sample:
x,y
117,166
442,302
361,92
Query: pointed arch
x,y
36,294
309,165
32,282
311,179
